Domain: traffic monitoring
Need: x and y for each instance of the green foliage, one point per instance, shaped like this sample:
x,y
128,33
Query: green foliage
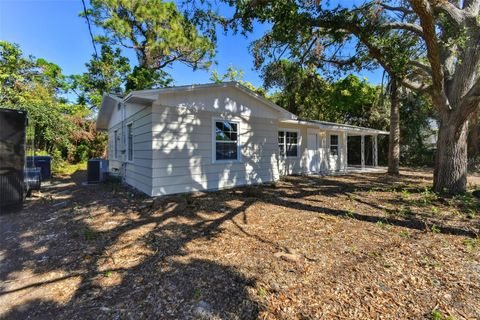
x,y
158,32
383,224
357,102
435,229
438,315
472,244
416,130
36,86
335,40
33,85
304,92
403,211
232,74
300,90
145,78
471,213
404,234
428,196
262,292
349,214
235,74
197,294
106,74
88,234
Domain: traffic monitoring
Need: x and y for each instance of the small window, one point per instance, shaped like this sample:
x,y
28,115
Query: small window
x,y
116,139
334,145
288,143
226,141
129,142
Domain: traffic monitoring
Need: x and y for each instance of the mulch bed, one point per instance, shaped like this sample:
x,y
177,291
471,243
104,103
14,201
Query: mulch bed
x,y
360,246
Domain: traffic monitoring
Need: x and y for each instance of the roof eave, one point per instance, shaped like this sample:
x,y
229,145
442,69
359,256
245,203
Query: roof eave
x,y
103,118
337,127
148,96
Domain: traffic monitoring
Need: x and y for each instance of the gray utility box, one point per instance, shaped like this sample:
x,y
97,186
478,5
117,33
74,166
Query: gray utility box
x,y
97,170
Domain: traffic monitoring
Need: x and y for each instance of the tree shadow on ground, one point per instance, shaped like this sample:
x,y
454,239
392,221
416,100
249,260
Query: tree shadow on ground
x,y
303,187
192,290
150,277
111,253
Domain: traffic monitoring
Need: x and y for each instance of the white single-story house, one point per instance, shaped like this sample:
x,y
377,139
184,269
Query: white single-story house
x,y
214,136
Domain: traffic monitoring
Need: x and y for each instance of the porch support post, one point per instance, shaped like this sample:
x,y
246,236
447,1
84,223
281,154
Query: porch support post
x,y
362,150
375,150
345,152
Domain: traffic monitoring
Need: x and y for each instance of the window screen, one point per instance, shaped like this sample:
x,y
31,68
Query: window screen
x,y
116,138
334,145
288,143
281,143
226,140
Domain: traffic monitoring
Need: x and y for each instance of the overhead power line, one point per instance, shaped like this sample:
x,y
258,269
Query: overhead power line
x,y
90,29
93,43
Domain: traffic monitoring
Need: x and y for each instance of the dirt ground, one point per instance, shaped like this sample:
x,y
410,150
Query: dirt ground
x,y
360,246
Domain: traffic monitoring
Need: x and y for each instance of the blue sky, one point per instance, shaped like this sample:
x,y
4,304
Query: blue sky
x,y
52,29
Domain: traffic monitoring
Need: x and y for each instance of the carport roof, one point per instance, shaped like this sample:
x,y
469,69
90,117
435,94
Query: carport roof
x,y
325,125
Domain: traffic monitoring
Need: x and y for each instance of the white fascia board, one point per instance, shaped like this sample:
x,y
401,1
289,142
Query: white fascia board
x,y
108,104
337,127
299,122
142,96
154,94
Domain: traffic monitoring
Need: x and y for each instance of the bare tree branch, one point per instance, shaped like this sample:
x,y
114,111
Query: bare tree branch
x,y
393,8
310,46
427,20
472,7
340,62
454,13
375,52
423,67
403,26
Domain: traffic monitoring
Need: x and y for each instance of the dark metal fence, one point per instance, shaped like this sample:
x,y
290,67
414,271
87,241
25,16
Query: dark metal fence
x,y
13,125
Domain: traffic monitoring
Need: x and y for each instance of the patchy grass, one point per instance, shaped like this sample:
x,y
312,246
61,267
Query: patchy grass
x,y
67,169
361,246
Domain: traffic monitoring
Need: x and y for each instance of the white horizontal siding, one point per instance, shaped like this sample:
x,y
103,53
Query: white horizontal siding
x,y
222,176
173,143
192,148
193,168
327,163
137,173
182,151
221,100
207,185
296,165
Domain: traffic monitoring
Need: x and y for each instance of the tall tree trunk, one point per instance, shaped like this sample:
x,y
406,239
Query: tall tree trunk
x,y
473,136
450,174
394,142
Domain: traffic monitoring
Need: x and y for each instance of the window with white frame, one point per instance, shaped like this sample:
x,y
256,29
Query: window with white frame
x,y
130,142
288,143
116,139
227,147
334,145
